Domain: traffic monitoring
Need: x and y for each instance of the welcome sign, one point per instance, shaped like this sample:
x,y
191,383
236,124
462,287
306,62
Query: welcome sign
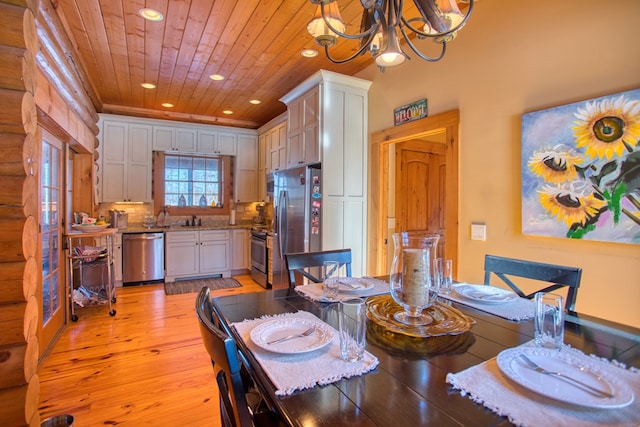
x,y
410,112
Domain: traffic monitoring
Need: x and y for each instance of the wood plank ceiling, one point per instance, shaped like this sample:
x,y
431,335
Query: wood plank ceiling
x,y
255,44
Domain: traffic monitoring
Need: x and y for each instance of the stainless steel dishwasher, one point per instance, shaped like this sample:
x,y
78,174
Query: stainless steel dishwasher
x,y
142,257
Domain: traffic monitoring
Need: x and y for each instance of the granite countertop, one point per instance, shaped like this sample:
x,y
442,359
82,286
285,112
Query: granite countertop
x,y
139,228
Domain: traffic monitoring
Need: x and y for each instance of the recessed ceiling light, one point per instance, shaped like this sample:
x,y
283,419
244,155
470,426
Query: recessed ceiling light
x,y
216,77
255,101
309,53
148,85
227,112
167,104
150,14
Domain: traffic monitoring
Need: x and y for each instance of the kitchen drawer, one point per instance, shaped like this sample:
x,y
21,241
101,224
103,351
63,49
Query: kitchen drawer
x,y
182,236
208,235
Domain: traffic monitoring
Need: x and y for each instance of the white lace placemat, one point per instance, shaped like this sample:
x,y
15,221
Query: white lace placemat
x,y
289,373
487,385
313,291
518,309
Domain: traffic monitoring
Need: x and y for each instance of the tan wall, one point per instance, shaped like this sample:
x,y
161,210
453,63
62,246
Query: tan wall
x,y
516,57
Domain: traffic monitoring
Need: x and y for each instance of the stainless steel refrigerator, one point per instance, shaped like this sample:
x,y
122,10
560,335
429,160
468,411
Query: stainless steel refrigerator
x,y
298,216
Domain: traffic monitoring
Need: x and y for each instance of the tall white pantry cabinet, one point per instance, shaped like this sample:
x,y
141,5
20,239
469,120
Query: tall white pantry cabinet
x,y
328,112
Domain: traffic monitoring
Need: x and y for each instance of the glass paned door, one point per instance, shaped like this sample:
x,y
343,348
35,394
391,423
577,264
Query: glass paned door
x,y
51,228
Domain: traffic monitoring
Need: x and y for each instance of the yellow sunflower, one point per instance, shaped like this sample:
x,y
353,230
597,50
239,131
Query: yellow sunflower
x,y
604,127
556,165
573,203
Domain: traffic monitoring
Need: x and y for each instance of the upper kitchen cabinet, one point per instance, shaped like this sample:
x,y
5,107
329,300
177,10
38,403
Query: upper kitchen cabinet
x,y
327,123
217,143
169,138
303,132
246,169
126,161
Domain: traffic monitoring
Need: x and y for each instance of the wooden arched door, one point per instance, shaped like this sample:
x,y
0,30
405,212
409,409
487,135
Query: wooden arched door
x,y
444,129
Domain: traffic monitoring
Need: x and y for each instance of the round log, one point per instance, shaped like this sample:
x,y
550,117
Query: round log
x,y
31,357
18,281
31,278
13,324
18,239
11,192
18,113
31,400
29,4
18,154
30,196
30,238
17,69
13,408
31,318
29,113
18,27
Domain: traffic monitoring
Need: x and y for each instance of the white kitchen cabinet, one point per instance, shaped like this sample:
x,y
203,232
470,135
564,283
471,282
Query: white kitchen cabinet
x,y
210,142
328,113
303,131
126,161
276,139
195,253
262,168
179,139
246,169
241,250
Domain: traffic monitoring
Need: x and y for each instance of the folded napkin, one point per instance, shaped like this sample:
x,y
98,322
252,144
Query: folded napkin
x,y
313,291
289,373
518,309
486,384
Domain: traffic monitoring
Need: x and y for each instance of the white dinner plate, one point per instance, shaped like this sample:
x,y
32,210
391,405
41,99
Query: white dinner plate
x,y
89,228
271,330
569,364
486,294
354,285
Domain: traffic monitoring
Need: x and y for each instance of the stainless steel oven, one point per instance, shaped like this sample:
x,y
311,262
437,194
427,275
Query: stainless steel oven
x,y
259,257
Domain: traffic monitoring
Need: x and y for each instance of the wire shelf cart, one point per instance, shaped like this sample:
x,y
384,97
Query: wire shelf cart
x,y
95,282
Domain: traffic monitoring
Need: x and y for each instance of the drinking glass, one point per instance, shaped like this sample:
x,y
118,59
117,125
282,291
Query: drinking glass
x,y
330,279
352,327
549,320
444,273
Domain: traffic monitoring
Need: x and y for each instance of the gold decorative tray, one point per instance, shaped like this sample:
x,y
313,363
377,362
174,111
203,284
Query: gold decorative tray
x,y
447,333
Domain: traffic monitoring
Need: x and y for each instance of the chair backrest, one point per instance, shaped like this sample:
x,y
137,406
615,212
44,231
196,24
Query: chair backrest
x,y
222,350
306,264
558,275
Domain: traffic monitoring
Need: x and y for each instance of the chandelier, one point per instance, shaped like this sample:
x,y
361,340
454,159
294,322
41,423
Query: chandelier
x,y
383,21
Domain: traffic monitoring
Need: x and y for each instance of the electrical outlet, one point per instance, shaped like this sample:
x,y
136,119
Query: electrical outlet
x,y
478,232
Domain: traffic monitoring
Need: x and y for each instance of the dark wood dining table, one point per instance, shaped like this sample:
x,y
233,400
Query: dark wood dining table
x,y
407,389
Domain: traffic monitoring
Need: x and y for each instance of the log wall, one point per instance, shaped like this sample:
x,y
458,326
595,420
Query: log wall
x,y
19,278
40,85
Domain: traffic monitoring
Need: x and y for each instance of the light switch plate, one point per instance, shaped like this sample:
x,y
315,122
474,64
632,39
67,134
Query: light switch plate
x,y
478,232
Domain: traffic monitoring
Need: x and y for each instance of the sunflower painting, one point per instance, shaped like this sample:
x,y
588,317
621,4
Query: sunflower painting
x,y
581,170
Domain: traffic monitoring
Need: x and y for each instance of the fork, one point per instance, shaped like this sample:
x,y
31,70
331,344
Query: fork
x,y
300,335
569,380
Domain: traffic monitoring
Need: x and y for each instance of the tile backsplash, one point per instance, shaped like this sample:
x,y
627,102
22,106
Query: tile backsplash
x,y
245,212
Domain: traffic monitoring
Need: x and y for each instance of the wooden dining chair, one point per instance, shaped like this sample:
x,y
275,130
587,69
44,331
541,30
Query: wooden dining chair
x,y
558,276
240,406
307,264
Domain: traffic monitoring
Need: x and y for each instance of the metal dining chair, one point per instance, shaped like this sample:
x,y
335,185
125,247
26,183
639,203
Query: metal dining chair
x,y
307,264
240,404
558,276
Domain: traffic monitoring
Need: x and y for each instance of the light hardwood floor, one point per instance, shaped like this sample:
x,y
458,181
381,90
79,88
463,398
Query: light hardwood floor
x,y
144,366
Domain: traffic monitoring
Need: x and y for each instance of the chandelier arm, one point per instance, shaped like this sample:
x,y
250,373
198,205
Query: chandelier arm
x,y
407,23
420,54
370,31
342,61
